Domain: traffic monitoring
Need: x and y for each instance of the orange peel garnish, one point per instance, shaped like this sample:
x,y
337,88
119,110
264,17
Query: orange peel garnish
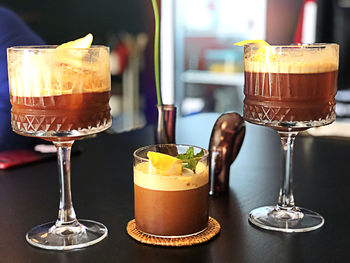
x,y
262,54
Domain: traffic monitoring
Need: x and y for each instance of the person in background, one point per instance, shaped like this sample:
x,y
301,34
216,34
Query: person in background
x,y
13,32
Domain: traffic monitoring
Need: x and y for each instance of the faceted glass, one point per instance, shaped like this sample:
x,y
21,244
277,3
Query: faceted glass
x,y
61,95
289,88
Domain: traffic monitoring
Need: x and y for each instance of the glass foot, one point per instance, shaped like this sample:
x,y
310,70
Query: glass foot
x,y
286,220
66,237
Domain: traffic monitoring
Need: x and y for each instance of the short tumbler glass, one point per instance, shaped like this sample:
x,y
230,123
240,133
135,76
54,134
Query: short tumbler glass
x,y
170,205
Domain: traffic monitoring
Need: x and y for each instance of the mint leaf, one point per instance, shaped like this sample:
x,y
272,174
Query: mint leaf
x,y
200,154
190,159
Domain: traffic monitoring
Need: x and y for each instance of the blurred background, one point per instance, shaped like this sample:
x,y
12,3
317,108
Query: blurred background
x,y
206,70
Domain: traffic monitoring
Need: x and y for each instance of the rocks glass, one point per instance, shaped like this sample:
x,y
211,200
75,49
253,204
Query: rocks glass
x,y
169,204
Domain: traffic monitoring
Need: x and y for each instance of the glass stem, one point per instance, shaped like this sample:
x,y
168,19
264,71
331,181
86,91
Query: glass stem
x,y
66,213
286,199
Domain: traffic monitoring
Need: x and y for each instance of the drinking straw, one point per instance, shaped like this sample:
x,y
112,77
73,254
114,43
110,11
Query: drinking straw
x,y
156,51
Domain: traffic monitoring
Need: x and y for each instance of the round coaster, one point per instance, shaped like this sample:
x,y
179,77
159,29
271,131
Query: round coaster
x,y
212,230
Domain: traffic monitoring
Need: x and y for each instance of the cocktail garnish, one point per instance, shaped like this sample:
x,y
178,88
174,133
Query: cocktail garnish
x,y
262,54
190,159
69,53
165,164
84,42
257,42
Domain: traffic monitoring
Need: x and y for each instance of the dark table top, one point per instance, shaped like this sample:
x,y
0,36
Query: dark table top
x,y
102,185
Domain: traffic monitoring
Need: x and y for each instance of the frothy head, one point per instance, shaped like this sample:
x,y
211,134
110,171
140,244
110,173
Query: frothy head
x,y
297,59
151,162
39,71
146,176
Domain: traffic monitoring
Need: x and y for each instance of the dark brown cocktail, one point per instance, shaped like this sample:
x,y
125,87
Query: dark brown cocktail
x,y
61,94
175,213
172,202
61,113
290,89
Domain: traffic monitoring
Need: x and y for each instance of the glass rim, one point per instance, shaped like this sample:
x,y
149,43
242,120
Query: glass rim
x,y
306,46
52,47
206,152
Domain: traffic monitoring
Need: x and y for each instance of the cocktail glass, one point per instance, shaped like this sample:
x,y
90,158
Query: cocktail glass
x,y
290,89
61,95
168,203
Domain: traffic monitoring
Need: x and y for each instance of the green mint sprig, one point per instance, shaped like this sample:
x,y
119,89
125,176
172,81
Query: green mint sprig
x,y
156,51
190,159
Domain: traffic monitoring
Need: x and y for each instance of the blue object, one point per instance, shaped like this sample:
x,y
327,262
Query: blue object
x,y
13,32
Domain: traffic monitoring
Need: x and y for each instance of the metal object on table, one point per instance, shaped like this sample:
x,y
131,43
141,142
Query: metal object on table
x,y
225,143
165,130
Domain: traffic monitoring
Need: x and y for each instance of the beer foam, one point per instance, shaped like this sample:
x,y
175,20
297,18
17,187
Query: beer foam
x,y
295,60
146,176
38,74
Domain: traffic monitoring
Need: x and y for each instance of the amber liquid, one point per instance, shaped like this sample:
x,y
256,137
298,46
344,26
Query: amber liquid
x,y
60,114
286,99
171,213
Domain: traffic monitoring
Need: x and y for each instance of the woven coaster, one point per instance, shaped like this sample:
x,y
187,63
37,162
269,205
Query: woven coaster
x,y
212,230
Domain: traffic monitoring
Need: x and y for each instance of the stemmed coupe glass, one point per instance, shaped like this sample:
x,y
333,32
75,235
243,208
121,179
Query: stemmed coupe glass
x,y
61,95
289,88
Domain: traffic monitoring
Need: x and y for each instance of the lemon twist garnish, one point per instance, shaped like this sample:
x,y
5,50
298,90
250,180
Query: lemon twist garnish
x,y
84,42
69,53
262,54
165,164
257,42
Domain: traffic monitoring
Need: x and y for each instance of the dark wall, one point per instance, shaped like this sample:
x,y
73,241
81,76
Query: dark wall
x,y
333,27
59,21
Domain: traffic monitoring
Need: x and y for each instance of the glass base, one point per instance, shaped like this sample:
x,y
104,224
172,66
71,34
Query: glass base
x,y
66,237
286,220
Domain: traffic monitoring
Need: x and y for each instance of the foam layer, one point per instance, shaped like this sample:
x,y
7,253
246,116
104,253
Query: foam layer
x,y
292,60
45,73
146,176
